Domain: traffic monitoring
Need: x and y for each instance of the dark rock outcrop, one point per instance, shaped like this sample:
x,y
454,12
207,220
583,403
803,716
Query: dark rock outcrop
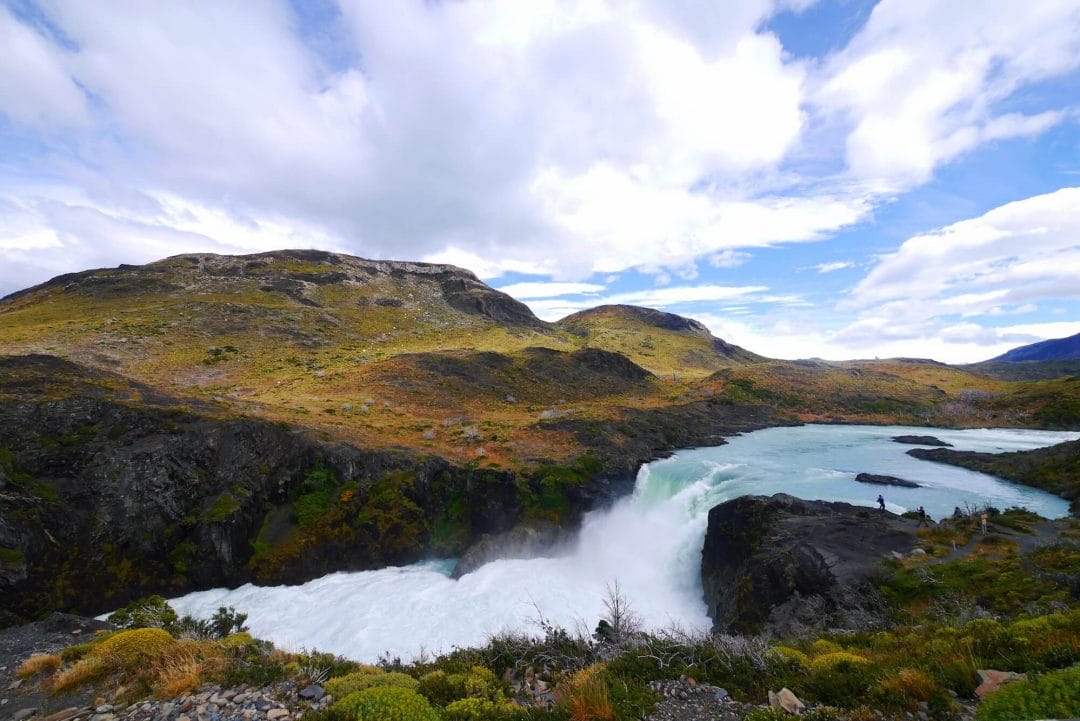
x,y
764,558
879,480
921,441
525,540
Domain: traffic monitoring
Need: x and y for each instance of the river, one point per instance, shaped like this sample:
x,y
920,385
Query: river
x,y
649,542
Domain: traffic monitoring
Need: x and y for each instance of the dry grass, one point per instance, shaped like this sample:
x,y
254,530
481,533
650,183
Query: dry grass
x,y
909,685
39,663
186,666
79,674
584,696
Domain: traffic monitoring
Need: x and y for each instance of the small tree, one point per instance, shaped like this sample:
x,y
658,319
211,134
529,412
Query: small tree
x,y
622,623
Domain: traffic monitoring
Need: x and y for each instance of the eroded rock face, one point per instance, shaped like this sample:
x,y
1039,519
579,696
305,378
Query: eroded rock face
x,y
525,540
765,557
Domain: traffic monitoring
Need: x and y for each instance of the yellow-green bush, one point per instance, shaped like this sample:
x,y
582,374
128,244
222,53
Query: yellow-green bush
x,y
830,660
133,646
436,687
74,653
481,709
358,681
792,654
1052,695
384,703
238,640
478,682
822,646
840,678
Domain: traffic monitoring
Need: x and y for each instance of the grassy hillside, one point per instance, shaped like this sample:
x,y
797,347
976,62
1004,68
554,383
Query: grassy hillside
x,y
665,343
389,354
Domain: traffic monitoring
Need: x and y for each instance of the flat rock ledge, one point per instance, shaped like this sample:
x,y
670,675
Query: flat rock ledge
x,y
880,480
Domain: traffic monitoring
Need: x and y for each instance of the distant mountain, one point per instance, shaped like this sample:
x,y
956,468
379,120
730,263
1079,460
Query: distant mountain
x,y
1054,349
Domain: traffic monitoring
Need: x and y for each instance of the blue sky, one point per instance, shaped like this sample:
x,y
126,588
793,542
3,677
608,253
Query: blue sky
x,y
840,179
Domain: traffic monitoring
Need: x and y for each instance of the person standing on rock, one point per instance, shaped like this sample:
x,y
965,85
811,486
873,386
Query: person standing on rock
x,y
922,517
881,503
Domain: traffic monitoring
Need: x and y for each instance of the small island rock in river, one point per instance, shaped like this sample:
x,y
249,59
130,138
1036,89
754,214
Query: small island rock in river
x,y
879,480
921,441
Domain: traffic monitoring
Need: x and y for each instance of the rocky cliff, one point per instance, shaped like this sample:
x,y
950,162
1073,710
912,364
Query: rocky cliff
x,y
782,561
109,491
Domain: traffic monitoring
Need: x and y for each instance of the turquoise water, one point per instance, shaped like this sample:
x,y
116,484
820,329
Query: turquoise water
x,y
820,462
650,543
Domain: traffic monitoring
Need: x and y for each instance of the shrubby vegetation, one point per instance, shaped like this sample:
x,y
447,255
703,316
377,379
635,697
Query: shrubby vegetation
x,y
948,619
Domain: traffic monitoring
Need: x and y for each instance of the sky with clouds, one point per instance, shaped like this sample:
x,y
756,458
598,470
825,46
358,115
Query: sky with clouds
x,y
840,179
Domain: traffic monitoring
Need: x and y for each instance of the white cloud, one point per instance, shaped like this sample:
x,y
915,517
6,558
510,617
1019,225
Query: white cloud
x,y
729,259
35,86
1018,252
918,84
538,289
52,235
832,266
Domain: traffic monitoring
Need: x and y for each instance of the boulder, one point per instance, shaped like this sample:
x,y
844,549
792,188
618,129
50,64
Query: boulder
x,y
990,680
879,480
765,558
786,700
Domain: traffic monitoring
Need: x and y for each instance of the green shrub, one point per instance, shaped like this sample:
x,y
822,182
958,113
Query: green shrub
x,y
358,681
792,654
822,646
481,709
437,688
149,612
74,653
401,680
384,703
768,714
840,678
1052,695
238,639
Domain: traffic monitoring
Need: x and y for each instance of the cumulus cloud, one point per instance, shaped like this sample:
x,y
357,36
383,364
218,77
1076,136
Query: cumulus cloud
x,y
919,83
1016,253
